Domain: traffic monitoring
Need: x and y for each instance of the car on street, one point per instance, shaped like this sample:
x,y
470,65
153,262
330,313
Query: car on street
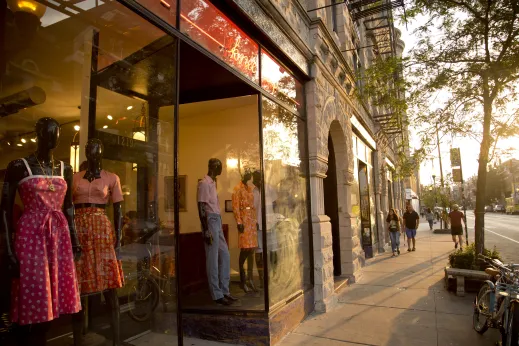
x,y
489,208
499,208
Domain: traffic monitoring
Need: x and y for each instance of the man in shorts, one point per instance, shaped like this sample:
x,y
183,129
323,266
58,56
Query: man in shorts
x,y
456,218
411,222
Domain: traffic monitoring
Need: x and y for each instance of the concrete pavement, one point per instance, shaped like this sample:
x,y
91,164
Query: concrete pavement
x,y
398,301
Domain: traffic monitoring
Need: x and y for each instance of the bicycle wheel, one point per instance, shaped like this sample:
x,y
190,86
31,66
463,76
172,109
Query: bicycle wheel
x,y
143,299
481,313
512,328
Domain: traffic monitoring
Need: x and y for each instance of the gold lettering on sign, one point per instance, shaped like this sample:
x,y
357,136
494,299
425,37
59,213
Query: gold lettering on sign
x,y
125,141
242,61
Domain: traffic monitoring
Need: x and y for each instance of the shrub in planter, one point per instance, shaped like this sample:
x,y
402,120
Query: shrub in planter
x,y
466,258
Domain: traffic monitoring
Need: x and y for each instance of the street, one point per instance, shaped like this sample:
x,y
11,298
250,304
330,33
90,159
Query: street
x,y
502,231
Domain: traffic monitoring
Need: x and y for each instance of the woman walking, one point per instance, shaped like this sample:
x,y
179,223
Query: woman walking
x,y
393,222
429,216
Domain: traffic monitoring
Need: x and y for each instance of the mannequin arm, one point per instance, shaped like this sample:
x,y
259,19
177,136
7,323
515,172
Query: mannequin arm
x,y
237,212
68,210
12,177
118,224
202,214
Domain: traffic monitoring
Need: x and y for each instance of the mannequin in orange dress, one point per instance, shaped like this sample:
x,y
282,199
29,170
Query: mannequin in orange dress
x,y
245,215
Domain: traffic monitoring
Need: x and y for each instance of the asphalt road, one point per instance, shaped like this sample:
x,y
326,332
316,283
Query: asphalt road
x,y
502,231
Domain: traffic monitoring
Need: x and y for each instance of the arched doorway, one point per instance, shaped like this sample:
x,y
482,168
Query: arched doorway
x,y
331,206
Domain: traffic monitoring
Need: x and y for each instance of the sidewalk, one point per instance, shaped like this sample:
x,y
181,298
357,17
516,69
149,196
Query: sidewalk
x,y
398,301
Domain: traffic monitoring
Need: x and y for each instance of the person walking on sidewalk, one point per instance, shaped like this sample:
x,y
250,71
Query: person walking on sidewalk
x,y
411,222
393,222
429,216
456,217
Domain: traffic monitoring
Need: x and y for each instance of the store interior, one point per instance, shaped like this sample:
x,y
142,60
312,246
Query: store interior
x,y
134,98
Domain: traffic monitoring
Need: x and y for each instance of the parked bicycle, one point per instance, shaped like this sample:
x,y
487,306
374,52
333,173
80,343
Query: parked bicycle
x,y
497,303
148,286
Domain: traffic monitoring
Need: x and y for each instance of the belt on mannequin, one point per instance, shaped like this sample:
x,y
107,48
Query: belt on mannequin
x,y
89,205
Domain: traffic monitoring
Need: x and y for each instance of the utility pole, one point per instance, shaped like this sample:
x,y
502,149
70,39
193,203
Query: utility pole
x,y
441,174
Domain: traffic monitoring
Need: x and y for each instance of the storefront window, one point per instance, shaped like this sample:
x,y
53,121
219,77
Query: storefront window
x,y
203,23
226,130
109,84
355,197
281,84
165,9
286,223
365,206
373,218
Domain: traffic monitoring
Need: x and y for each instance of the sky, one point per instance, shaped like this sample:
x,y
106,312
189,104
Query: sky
x,y
469,147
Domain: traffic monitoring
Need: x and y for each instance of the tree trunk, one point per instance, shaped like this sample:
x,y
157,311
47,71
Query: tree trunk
x,y
482,173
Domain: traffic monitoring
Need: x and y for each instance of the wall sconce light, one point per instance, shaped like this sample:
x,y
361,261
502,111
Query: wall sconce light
x,y
74,151
232,163
139,132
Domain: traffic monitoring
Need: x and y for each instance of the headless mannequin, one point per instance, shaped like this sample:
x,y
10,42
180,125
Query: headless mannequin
x,y
47,133
246,255
94,154
214,170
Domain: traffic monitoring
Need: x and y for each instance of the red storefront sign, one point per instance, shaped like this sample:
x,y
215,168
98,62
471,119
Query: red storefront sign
x,y
203,23
206,25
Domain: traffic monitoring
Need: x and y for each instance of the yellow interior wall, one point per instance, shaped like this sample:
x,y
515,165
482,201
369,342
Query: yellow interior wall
x,y
222,134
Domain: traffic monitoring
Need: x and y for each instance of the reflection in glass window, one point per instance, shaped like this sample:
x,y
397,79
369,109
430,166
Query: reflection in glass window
x,y
98,65
203,23
355,198
286,222
280,83
165,9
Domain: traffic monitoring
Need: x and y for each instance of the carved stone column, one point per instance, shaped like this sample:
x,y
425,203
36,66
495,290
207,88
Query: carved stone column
x,y
322,238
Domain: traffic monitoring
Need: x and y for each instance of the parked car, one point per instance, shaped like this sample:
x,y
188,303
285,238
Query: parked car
x,y
489,208
499,208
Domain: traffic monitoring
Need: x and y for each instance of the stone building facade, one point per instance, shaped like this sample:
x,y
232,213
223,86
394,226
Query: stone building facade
x,y
326,37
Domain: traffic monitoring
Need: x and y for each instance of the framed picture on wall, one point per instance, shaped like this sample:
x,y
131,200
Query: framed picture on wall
x,y
228,206
170,193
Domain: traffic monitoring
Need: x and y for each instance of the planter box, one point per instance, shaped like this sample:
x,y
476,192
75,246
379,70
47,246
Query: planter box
x,y
460,276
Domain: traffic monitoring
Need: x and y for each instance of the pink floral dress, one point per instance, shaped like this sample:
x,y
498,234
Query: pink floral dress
x,y
47,286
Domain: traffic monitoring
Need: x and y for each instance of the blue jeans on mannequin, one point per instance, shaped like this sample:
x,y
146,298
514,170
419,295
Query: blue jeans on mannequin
x,y
395,240
218,264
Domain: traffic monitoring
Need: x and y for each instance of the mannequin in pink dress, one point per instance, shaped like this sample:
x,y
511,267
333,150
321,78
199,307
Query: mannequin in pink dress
x,y
43,244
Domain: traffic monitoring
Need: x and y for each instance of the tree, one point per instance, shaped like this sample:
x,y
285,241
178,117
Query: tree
x,y
466,62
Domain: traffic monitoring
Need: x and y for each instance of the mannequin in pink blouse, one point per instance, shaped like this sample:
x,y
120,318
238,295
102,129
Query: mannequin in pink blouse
x,y
92,200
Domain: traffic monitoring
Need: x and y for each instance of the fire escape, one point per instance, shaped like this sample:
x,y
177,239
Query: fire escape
x,y
377,18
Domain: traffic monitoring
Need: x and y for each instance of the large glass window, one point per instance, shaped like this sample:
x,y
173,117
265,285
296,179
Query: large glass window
x,y
286,223
226,130
281,84
107,77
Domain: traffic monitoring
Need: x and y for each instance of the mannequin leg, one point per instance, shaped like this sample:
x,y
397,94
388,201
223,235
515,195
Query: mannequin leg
x,y
259,266
250,270
33,334
243,257
78,323
113,305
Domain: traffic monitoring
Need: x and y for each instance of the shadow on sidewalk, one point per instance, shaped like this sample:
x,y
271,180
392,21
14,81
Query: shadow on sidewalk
x,y
398,301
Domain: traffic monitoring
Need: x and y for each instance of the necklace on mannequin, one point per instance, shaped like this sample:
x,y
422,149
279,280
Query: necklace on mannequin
x,y
49,179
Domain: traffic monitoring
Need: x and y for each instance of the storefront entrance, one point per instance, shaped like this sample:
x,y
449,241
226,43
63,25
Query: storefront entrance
x,y
160,103
331,206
